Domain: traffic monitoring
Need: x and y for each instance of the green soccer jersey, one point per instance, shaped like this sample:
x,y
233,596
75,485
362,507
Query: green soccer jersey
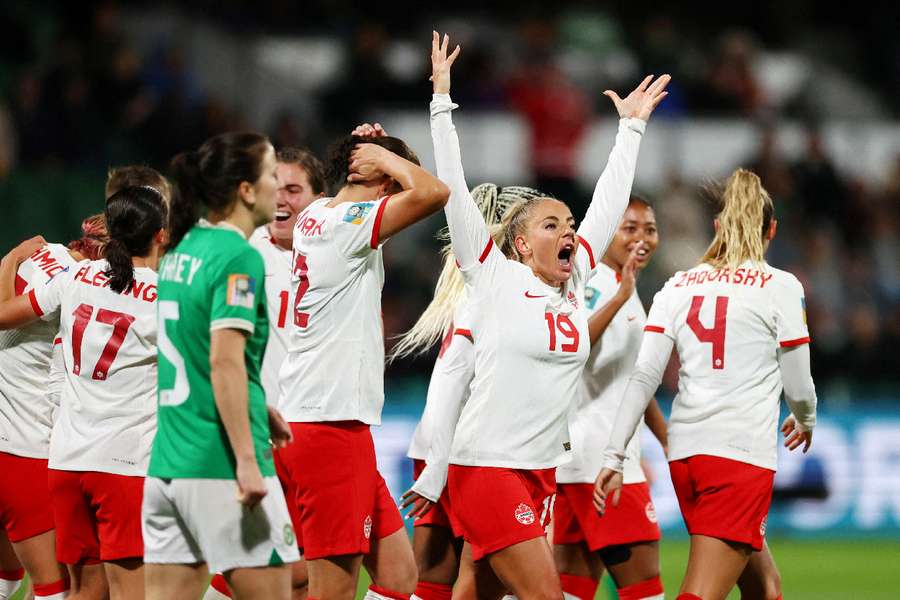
x,y
212,280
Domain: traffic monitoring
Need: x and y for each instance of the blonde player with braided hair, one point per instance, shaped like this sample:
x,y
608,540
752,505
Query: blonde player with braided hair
x,y
739,326
530,326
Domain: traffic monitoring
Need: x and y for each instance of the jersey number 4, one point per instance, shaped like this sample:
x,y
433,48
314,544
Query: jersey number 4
x,y
714,335
564,325
120,323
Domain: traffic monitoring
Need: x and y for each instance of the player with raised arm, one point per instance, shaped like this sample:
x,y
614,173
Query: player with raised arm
x,y
102,432
739,327
625,540
332,382
301,181
526,302
212,500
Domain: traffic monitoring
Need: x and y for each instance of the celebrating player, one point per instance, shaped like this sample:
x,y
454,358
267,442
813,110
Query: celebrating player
x,y
101,435
332,382
531,344
212,498
301,180
739,326
625,539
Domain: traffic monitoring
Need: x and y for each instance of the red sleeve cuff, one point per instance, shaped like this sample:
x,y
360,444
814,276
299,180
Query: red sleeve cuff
x,y
466,333
376,227
796,342
34,304
590,251
654,329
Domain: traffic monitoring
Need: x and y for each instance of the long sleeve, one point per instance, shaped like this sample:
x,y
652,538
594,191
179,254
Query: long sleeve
x,y
469,234
612,191
456,371
799,389
645,379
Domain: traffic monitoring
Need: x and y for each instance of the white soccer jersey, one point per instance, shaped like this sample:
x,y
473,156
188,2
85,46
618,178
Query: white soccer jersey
x,y
107,414
278,300
334,370
603,384
727,327
25,409
531,338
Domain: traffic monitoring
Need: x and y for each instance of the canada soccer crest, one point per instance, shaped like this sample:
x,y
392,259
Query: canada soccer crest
x,y
762,526
367,526
524,514
572,300
650,511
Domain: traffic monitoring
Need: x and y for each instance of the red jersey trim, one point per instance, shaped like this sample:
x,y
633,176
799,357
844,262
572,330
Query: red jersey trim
x,y
376,228
21,284
590,251
466,333
487,250
654,329
57,341
792,343
34,304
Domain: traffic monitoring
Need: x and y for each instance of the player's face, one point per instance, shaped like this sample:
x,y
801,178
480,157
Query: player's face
x,y
549,241
266,189
638,225
294,195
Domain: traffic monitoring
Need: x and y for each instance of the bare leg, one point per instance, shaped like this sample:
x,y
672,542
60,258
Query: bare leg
x,y
175,582
714,566
391,563
126,579
299,580
437,554
334,577
87,582
632,563
578,560
527,570
272,583
38,555
760,579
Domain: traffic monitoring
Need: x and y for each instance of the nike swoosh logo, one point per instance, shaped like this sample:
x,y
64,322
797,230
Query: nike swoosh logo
x,y
529,295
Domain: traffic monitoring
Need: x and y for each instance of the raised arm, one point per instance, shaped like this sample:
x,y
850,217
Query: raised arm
x,y
601,319
468,233
613,188
16,311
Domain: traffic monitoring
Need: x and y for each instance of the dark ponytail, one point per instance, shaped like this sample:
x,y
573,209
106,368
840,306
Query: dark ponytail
x,y
337,167
210,177
133,216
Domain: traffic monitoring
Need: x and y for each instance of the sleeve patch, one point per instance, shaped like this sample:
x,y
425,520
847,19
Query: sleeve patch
x,y
357,212
241,291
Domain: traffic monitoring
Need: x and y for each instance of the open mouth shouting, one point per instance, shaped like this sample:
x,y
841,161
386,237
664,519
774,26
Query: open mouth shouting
x,y
282,215
565,256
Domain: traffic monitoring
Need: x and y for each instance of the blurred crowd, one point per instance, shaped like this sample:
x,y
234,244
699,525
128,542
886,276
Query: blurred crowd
x,y
77,92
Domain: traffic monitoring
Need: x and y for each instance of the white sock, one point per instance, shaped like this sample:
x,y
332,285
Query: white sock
x,y
8,587
569,596
214,594
511,597
56,596
656,597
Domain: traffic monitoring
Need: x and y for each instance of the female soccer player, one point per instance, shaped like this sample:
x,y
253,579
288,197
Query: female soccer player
x,y
739,327
301,181
212,499
101,435
526,300
624,540
332,382
437,539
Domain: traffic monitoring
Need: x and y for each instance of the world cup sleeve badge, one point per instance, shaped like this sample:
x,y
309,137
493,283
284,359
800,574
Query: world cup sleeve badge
x,y
241,291
357,212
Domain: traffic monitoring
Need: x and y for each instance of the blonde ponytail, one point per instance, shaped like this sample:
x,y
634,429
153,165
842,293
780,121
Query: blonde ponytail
x,y
493,202
744,218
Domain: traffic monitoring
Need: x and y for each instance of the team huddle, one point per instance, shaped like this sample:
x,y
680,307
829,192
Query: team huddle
x,y
184,395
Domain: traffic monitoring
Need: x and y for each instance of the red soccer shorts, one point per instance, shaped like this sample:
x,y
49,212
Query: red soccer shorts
x,y
341,497
24,498
441,514
723,498
290,495
576,520
499,507
98,515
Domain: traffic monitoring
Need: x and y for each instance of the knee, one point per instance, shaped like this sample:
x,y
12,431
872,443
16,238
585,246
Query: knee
x,y
401,577
772,586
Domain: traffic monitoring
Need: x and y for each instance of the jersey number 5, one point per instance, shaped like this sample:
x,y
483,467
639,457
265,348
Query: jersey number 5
x,y
120,322
565,327
168,311
714,335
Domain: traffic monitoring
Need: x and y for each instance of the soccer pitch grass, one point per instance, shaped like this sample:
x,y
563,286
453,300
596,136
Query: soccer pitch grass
x,y
810,569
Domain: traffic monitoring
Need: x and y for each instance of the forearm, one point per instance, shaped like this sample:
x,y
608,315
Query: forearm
x,y
411,176
799,389
9,266
656,423
229,383
601,319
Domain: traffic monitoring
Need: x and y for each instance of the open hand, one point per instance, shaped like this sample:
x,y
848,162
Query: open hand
x,y
441,63
365,163
629,272
794,438
642,100
369,131
420,504
21,252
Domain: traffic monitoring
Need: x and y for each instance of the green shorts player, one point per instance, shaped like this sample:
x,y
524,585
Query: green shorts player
x,y
211,498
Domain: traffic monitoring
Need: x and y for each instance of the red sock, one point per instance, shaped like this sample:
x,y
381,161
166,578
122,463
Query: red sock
x,y
779,597
582,588
688,597
641,589
50,589
433,591
387,593
219,584
15,575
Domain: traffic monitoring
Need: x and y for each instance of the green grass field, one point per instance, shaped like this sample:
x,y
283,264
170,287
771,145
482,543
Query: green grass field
x,y
810,570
